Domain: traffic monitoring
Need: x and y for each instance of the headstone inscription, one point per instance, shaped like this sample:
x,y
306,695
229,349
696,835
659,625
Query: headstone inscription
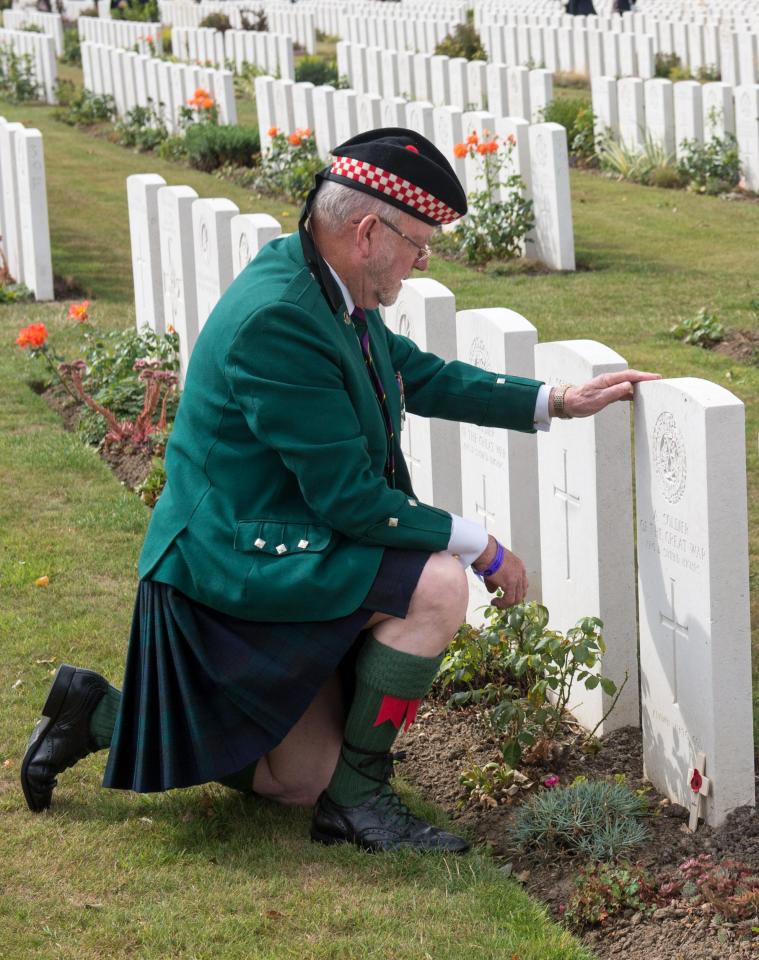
x,y
142,200
212,238
586,526
425,311
693,592
250,232
178,267
499,468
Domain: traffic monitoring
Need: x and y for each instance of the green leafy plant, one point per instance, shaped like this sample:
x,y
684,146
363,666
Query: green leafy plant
x,y
463,41
576,116
208,146
522,672
665,64
81,108
499,214
257,21
17,77
72,51
604,890
32,28
245,80
288,167
492,784
216,21
712,167
597,819
15,293
653,165
703,330
318,70
142,128
139,10
728,888
152,486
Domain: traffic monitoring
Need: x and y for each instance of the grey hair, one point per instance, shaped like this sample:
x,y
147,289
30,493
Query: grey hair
x,y
336,204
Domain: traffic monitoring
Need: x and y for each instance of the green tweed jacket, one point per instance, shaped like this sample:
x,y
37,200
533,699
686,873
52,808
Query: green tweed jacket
x,y
276,505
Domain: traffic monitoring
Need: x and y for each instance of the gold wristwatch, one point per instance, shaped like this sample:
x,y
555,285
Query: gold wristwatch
x,y
557,402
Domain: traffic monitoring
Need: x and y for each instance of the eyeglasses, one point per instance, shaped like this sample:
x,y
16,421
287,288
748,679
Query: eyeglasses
x,y
424,252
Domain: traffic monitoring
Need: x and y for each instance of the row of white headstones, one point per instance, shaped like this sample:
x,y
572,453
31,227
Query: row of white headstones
x,y
540,156
24,228
122,33
281,18
39,48
563,501
270,52
669,114
446,81
133,80
698,45
50,23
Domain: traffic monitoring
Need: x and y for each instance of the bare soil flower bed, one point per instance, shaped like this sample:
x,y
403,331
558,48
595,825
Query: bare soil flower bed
x,y
444,743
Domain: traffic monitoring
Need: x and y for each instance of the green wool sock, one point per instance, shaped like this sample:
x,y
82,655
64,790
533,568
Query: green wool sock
x,y
385,680
103,718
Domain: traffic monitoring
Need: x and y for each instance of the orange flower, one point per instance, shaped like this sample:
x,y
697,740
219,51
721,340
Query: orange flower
x,y
272,132
78,311
483,148
42,582
492,146
305,132
460,150
511,139
148,39
294,139
473,139
200,93
170,329
33,336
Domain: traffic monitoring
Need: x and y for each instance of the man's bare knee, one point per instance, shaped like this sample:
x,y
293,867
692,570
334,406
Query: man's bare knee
x,y
442,592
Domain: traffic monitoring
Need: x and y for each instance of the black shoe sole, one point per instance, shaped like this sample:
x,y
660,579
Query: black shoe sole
x,y
53,705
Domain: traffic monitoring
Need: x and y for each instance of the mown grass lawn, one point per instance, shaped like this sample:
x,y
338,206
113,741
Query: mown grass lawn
x,y
203,873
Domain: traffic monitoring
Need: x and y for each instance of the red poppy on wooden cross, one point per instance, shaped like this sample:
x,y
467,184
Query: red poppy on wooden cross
x,y
395,709
699,785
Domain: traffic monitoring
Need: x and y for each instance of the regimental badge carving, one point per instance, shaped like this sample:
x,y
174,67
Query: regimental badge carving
x,y
404,322
244,250
670,462
204,237
478,354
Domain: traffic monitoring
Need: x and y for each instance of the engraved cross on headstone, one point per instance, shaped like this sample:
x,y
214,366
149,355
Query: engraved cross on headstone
x,y
481,509
569,500
408,454
677,629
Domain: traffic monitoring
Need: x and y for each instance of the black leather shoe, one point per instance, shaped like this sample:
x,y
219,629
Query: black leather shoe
x,y
62,736
383,822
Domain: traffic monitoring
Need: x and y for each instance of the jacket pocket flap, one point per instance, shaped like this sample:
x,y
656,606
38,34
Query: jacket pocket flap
x,y
279,538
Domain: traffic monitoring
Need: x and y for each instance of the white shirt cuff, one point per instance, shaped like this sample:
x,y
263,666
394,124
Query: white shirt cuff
x,y
542,418
468,539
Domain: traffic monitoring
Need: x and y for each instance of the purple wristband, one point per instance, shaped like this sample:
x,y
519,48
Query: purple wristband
x,y
495,566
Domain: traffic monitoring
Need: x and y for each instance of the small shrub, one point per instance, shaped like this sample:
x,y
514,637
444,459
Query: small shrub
x,y
142,128
17,80
137,10
666,177
651,164
216,21
152,486
245,81
576,116
494,228
703,330
728,889
15,293
712,167
665,63
288,167
597,819
604,890
89,12
32,28
80,108
72,51
464,41
257,21
208,146
318,70
173,149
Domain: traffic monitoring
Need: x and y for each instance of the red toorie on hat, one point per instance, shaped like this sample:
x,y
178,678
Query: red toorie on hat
x,y
402,168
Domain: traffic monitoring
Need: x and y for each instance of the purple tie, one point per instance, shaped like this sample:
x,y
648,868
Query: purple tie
x,y
362,331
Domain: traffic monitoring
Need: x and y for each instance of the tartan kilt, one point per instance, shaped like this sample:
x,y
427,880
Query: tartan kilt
x,y
206,694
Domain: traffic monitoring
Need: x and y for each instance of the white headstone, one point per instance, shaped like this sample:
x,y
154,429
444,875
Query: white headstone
x,y
37,271
425,311
178,267
541,93
719,110
695,643
632,117
519,92
499,468
586,526
660,113
142,199
554,234
441,86
264,87
497,89
605,107
324,120
346,115
250,232
449,130
212,237
689,113
459,84
9,133
747,132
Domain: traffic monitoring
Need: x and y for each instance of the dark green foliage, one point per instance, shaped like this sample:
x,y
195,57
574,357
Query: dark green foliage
x,y
142,128
665,63
15,293
152,486
209,146
216,21
17,82
257,20
576,116
80,108
703,330
287,168
598,819
604,890
712,167
464,41
72,52
318,70
140,10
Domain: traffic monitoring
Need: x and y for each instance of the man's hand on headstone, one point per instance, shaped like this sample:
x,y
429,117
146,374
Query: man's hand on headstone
x,y
511,577
590,397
